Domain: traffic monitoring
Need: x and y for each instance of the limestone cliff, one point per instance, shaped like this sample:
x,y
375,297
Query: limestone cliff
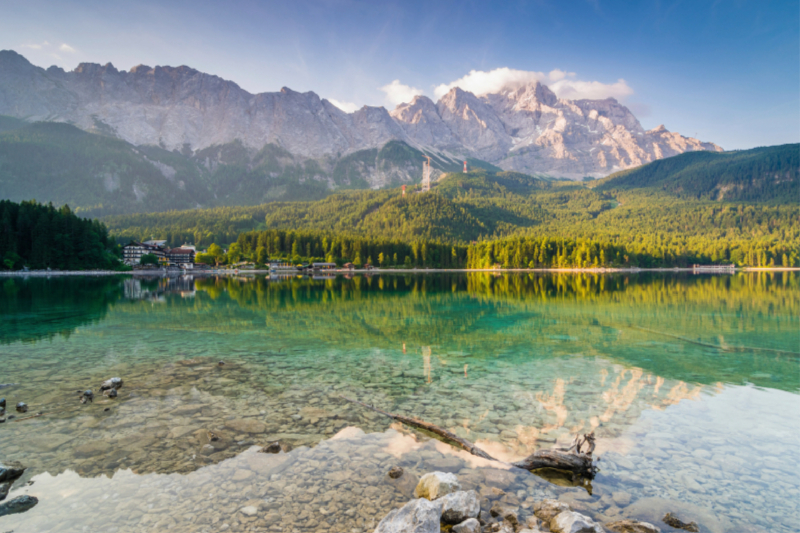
x,y
526,129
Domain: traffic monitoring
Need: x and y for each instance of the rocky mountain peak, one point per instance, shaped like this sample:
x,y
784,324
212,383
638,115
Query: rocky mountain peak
x,y
421,108
141,69
11,60
533,93
456,97
527,128
94,69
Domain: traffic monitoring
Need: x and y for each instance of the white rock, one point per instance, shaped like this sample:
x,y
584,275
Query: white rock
x,y
436,484
459,506
250,510
471,525
417,516
572,522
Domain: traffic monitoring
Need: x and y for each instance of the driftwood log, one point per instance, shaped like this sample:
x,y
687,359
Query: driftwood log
x,y
575,459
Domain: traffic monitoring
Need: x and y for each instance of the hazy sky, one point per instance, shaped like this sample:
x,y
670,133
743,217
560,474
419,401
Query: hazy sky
x,y
724,71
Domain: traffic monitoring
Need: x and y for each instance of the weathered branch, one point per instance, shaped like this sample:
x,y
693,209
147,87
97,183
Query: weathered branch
x,y
436,430
556,458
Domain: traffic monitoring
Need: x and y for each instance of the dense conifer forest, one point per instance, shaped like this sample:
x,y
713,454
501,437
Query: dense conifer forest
x,y
514,252
41,236
770,174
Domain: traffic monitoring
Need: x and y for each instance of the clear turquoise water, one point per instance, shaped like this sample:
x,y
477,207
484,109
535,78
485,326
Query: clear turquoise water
x,y
690,383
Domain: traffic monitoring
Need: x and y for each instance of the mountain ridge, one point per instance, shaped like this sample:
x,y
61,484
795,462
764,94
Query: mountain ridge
x,y
526,129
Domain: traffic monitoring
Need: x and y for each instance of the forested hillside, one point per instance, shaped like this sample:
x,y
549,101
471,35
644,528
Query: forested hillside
x,y
98,174
41,236
506,214
462,207
770,174
707,207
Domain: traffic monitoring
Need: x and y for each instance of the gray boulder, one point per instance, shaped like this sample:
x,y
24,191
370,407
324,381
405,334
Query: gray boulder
x,y
395,472
546,510
507,513
572,522
417,516
632,526
274,447
470,525
436,484
20,504
459,506
10,471
113,383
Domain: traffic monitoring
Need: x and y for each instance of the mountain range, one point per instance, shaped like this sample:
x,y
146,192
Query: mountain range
x,y
526,129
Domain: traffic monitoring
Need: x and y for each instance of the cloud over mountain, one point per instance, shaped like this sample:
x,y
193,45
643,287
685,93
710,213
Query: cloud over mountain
x,y
347,107
562,83
398,93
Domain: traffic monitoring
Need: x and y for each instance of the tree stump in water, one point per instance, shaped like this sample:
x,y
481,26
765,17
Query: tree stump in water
x,y
572,459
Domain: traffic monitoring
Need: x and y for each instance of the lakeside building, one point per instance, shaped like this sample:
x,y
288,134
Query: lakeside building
x,y
132,253
182,257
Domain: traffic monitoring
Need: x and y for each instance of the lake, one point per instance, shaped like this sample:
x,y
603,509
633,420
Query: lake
x,y
690,383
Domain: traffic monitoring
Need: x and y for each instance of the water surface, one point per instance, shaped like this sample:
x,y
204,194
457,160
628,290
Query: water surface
x,y
689,382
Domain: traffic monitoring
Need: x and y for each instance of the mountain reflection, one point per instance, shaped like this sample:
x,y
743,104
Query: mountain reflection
x,y
675,315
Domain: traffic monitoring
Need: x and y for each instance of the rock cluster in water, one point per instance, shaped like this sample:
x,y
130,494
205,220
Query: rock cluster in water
x,y
9,473
441,505
197,419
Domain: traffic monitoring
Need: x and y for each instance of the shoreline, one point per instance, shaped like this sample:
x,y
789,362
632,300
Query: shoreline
x,y
228,272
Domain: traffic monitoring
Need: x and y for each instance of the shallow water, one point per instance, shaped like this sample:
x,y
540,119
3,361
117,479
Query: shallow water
x,y
689,382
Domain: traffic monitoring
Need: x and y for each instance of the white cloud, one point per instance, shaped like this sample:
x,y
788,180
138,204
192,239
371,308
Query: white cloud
x,y
37,46
591,90
398,93
347,107
50,49
560,82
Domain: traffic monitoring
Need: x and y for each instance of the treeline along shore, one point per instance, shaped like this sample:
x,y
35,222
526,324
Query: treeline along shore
x,y
42,237
37,236
299,246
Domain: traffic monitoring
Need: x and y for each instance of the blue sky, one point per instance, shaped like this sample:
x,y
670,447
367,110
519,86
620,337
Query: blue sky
x,y
724,71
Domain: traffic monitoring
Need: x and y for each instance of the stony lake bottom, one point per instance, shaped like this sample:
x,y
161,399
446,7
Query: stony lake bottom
x,y
689,382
